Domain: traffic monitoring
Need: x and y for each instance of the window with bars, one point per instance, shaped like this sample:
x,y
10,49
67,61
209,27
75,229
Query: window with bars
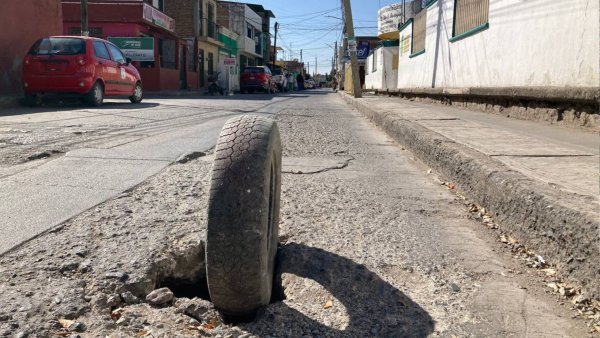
x,y
470,15
418,32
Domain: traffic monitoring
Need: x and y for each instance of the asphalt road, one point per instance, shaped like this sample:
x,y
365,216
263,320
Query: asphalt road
x,y
372,244
59,160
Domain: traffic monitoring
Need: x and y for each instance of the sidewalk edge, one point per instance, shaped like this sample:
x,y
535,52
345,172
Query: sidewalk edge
x,y
541,218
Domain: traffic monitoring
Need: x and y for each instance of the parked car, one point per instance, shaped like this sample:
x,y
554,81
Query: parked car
x,y
309,84
86,67
257,77
280,78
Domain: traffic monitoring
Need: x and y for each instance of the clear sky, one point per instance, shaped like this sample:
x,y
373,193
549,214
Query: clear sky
x,y
305,25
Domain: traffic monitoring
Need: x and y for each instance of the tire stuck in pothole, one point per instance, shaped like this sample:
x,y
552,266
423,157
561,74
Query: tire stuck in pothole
x,y
243,215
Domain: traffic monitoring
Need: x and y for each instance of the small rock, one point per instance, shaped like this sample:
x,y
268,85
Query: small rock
x,y
455,287
196,308
160,296
123,321
129,298
85,266
77,327
22,334
122,276
81,252
113,300
68,266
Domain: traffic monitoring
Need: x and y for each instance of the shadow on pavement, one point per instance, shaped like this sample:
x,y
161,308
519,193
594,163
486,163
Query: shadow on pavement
x,y
57,105
374,307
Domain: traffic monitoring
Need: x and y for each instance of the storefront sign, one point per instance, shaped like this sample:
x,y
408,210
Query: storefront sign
x,y
229,61
389,18
158,18
137,49
362,51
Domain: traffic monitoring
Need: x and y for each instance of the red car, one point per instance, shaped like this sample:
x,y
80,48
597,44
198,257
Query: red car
x,y
75,65
257,77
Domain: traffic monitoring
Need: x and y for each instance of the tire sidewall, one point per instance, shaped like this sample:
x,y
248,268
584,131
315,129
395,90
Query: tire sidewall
x,y
134,98
240,253
96,96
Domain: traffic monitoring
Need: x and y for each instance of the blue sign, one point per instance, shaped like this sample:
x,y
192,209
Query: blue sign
x,y
362,50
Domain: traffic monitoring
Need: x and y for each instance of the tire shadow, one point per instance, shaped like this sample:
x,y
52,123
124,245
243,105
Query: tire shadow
x,y
374,307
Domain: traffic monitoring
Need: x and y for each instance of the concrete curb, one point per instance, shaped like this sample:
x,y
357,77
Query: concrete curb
x,y
562,227
558,94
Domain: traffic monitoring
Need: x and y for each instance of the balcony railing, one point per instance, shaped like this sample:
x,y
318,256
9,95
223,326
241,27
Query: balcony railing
x,y
209,29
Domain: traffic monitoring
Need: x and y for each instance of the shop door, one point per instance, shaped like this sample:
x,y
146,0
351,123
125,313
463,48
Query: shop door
x,y
201,60
182,68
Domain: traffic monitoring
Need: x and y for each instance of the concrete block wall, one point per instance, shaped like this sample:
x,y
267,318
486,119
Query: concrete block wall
x,y
183,13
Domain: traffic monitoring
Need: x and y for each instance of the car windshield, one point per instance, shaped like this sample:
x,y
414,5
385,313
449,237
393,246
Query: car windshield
x,y
254,70
58,46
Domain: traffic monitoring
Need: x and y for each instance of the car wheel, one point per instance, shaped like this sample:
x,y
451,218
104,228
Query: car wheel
x,y
138,94
95,96
243,215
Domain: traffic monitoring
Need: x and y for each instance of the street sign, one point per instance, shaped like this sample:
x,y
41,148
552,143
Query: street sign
x,y
229,61
137,49
352,45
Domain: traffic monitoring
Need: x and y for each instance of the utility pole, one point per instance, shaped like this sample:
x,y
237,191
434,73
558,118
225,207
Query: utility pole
x,y
316,66
275,46
353,59
301,55
84,18
335,56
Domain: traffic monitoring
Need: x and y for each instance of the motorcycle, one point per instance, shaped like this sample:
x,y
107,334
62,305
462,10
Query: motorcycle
x,y
213,87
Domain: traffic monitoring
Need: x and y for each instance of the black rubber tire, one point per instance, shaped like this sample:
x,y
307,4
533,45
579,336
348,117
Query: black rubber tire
x,y
243,215
137,97
95,96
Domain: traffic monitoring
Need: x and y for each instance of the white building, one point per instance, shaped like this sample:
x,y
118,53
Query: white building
x,y
381,68
501,44
243,21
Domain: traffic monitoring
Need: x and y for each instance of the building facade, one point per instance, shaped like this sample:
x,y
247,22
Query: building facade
x,y
501,44
197,23
266,15
23,23
242,20
228,61
165,65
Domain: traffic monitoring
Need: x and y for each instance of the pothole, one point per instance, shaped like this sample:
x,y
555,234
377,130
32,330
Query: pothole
x,y
184,273
42,155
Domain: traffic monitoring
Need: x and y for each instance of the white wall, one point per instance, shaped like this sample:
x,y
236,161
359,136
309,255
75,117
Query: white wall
x,y
533,43
386,74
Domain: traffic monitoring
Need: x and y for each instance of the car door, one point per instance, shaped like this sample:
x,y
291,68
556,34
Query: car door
x,y
125,79
107,68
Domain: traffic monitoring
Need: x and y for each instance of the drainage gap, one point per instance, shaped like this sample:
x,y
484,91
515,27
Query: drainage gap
x,y
184,273
187,288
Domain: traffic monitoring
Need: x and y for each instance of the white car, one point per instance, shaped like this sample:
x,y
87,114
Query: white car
x,y
279,75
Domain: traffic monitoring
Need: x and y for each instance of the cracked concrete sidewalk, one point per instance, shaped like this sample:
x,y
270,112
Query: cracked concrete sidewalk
x,y
539,180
